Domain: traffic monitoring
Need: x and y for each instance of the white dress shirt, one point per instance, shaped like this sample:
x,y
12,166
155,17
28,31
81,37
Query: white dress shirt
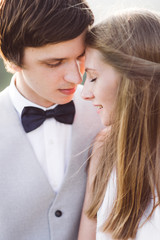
x,y
51,141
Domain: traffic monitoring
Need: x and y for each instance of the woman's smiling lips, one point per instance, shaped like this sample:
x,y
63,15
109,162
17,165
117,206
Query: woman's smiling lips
x,y
68,91
99,107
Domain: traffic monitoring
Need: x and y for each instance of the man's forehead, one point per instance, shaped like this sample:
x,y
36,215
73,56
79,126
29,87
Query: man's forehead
x,y
61,50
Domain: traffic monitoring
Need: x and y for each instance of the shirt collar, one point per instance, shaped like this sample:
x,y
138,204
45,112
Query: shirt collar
x,y
19,101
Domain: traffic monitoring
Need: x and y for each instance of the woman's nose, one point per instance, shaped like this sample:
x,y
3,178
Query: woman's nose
x,y
87,92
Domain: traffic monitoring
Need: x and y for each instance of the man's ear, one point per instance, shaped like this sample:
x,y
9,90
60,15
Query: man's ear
x,y
15,67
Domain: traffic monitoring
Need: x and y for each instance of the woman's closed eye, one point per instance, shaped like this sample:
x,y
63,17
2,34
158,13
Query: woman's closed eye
x,y
93,79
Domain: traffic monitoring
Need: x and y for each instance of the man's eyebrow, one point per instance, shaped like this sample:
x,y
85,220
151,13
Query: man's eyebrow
x,y
51,59
82,54
58,59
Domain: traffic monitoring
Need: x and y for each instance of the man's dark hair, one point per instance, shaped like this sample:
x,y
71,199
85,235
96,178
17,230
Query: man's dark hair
x,y
35,23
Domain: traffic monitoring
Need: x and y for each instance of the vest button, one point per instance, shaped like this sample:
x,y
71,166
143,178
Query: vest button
x,y
58,213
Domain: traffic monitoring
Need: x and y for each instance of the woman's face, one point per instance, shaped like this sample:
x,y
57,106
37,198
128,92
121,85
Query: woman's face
x,y
101,85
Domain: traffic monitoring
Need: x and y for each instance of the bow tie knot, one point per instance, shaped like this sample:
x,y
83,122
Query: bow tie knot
x,y
49,113
33,117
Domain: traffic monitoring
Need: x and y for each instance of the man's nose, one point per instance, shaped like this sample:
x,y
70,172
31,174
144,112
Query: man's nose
x,y
73,74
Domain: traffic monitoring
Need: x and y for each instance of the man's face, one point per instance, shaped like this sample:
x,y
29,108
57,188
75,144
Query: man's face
x,y
50,74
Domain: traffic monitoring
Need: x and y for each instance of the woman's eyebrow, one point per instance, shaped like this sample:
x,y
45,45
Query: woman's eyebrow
x,y
89,70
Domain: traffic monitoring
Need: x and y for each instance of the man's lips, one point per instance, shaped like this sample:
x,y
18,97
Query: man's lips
x,y
68,91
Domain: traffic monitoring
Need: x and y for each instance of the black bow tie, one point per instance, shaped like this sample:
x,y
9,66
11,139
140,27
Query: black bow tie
x,y
33,117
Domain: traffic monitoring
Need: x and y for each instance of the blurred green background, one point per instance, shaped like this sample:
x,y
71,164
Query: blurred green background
x,y
5,77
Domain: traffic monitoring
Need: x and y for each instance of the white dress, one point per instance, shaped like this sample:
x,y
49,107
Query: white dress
x,y
149,231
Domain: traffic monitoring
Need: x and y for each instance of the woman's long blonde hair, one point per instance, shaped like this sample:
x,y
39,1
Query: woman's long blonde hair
x,y
130,42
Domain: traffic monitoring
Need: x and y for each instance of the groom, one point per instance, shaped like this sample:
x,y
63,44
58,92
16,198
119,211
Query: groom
x,y
45,136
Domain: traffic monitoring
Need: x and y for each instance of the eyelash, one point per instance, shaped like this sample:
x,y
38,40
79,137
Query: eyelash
x,y
93,80
53,65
